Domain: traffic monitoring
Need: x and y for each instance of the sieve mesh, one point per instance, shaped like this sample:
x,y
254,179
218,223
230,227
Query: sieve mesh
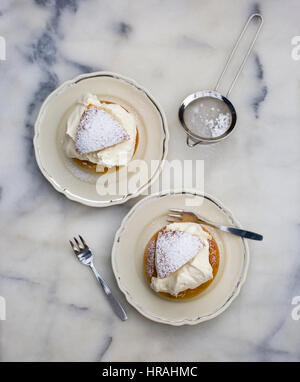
x,y
208,117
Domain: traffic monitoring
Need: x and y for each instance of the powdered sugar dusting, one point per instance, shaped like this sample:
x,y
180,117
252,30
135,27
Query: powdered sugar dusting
x,y
208,117
173,250
219,125
97,130
150,258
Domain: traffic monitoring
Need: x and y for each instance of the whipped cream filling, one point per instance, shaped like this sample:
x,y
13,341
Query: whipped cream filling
x,y
118,155
192,274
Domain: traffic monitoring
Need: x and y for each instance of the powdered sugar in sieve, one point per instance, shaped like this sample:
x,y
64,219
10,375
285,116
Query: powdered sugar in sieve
x,y
208,117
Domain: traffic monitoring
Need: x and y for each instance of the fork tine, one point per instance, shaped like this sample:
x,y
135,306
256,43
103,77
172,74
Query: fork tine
x,y
176,210
175,216
77,242
83,242
173,221
73,246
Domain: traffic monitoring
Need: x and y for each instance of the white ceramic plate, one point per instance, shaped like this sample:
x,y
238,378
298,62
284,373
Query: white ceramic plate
x,y
78,184
144,220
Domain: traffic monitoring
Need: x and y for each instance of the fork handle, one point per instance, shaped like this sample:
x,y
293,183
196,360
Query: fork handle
x,y
241,232
233,230
117,307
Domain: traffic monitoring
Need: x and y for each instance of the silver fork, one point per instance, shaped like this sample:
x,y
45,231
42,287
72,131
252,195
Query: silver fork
x,y
85,256
181,215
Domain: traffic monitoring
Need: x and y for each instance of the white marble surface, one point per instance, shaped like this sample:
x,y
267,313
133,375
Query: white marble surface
x,y
55,310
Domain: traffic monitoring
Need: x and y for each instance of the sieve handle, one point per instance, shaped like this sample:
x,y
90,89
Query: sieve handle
x,y
191,143
251,18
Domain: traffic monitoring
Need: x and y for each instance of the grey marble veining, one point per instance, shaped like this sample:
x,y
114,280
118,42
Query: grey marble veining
x,y
55,310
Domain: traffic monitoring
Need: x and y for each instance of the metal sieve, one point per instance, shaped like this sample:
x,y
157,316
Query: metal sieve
x,y
207,116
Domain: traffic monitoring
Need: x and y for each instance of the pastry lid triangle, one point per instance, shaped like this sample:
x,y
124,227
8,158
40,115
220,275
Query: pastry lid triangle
x,y
98,130
174,249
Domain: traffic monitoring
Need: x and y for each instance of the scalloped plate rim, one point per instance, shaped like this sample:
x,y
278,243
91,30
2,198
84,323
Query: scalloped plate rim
x,y
67,193
185,321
